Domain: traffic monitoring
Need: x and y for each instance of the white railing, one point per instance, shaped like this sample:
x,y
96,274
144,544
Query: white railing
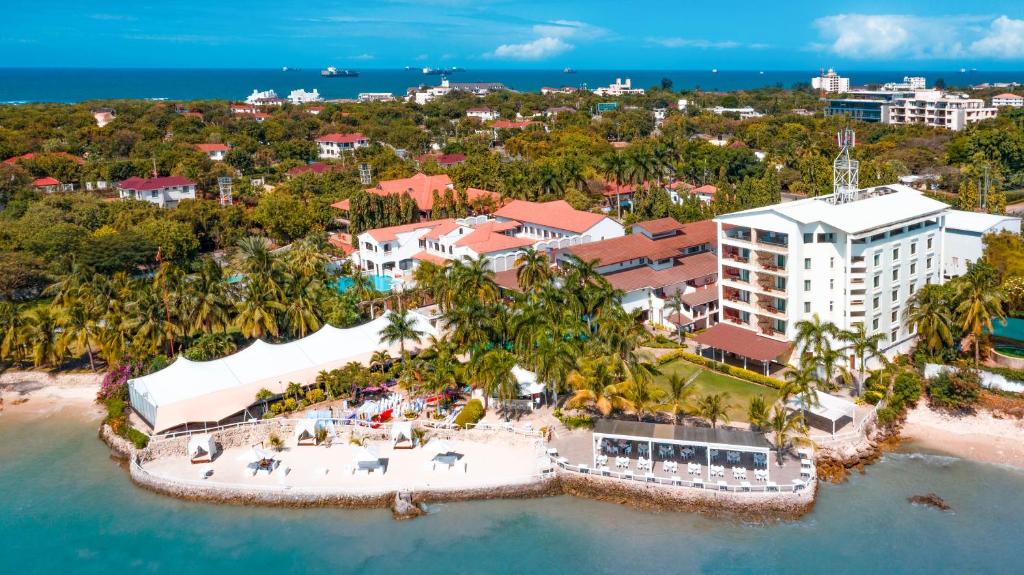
x,y
703,485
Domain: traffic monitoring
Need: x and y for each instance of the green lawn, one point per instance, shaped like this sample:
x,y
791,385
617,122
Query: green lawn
x,y
709,382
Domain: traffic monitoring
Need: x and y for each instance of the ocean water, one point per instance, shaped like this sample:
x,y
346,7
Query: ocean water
x,y
76,84
66,507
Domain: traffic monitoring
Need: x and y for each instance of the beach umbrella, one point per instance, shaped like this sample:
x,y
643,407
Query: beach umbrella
x,y
440,447
256,454
364,455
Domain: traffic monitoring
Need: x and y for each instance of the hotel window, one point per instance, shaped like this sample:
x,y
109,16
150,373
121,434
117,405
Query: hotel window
x,y
831,263
831,305
874,323
894,335
807,263
913,268
913,248
930,243
878,258
912,288
807,285
895,295
808,238
876,281
807,307
928,263
895,316
874,301
895,275
895,254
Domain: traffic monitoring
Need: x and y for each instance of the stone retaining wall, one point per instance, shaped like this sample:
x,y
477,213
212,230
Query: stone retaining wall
x,y
752,505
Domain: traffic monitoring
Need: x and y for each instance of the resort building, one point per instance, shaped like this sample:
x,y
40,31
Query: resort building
x,y
332,146
963,238
909,83
301,96
1008,99
658,260
215,152
853,258
421,188
165,192
935,108
424,94
619,88
364,97
395,251
745,113
266,98
482,114
830,82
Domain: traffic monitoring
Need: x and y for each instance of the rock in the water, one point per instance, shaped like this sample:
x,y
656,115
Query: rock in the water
x,y
404,508
931,500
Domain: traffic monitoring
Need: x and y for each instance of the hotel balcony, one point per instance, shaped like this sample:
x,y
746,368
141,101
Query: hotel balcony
x,y
773,242
771,262
735,254
766,327
770,283
731,274
768,305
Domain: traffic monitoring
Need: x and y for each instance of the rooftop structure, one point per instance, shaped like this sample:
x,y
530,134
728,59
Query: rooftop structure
x,y
375,97
301,96
421,189
745,113
909,83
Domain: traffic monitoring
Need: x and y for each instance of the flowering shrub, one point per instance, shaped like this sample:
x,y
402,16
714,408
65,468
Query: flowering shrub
x,y
115,383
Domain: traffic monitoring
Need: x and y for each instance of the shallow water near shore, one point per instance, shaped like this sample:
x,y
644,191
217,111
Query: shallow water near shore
x,y
67,507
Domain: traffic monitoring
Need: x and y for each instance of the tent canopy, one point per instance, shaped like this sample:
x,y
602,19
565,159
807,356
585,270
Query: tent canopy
x,y
401,431
209,391
528,384
364,455
829,407
201,446
305,429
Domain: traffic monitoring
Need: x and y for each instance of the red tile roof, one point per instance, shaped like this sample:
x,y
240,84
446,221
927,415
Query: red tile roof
x,y
343,138
391,233
47,181
679,319
421,188
429,257
622,249
686,269
451,159
487,238
315,168
136,183
611,189
32,155
510,124
1007,95
742,342
659,226
341,241
558,215
508,279
681,184
342,205
706,189
207,148
702,295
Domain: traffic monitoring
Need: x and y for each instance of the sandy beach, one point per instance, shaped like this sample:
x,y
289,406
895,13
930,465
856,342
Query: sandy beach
x,y
37,393
980,437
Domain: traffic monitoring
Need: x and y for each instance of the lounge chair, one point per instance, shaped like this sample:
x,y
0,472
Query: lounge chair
x,y
723,486
772,486
745,485
676,480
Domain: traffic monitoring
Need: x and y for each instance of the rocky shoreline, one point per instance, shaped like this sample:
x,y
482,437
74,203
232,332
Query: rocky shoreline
x,y
834,464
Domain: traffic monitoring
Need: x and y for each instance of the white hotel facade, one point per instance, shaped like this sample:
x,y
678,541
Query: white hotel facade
x,y
853,262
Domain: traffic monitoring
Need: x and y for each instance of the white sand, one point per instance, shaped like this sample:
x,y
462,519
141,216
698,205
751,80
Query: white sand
x,y
492,463
978,437
36,393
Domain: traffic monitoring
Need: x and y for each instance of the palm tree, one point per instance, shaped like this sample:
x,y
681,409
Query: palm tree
x,y
676,306
534,269
615,169
472,278
980,303
10,327
928,315
208,292
813,335
41,337
679,392
399,329
493,371
639,396
380,357
81,330
713,407
785,427
594,384
256,311
552,359
864,346
758,412
301,298
800,381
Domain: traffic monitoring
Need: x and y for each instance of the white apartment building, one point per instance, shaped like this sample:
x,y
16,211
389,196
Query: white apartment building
x,y
395,251
831,82
909,84
619,88
852,262
301,96
482,114
1007,99
332,146
745,113
375,97
936,108
164,192
964,243
265,98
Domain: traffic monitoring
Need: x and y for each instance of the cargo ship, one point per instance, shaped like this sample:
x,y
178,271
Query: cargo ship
x,y
332,72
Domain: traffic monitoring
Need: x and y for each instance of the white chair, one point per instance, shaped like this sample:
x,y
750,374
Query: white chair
x,y
745,485
676,480
772,486
723,486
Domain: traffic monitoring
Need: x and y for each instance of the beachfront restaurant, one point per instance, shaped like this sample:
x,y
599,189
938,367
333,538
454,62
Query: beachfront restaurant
x,y
731,344
197,394
726,458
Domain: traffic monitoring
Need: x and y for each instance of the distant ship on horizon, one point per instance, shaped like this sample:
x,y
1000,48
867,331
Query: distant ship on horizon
x,y
332,72
440,71
568,70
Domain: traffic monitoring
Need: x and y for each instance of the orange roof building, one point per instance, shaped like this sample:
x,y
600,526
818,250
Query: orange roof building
x,y
421,188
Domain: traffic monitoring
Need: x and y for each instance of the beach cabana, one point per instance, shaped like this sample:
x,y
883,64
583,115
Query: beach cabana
x,y
365,459
828,412
401,435
305,432
201,392
201,448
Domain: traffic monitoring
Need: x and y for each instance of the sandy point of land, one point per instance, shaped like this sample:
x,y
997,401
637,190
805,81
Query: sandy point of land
x,y
37,393
979,437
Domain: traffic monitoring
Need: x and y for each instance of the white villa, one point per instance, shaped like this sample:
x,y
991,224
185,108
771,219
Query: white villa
x,y
301,96
619,88
215,152
165,192
396,250
1007,99
332,146
482,114
964,232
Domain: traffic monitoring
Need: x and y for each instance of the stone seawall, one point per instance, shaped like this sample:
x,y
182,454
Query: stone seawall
x,y
650,496
834,463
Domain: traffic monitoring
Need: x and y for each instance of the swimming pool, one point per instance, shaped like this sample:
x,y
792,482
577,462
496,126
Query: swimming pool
x,y
379,283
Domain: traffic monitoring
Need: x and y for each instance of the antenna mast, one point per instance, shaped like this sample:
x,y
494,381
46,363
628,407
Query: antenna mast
x,y
224,186
845,172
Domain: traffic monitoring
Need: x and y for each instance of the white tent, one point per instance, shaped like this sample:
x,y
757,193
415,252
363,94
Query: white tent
x,y
401,432
828,407
209,391
201,448
528,384
440,447
364,455
254,454
305,431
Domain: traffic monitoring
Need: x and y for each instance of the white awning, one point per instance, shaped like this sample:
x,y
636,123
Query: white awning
x,y
528,384
830,407
209,391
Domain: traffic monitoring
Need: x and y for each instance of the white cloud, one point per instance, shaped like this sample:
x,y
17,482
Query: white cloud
x,y
1005,39
878,36
363,56
536,50
568,29
694,43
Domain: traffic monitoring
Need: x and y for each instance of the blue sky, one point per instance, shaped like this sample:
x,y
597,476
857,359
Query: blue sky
x,y
597,34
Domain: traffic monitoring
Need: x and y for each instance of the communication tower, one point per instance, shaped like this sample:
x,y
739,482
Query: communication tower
x,y
845,171
224,185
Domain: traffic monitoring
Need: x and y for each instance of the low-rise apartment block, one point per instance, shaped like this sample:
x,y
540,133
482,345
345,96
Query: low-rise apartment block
x,y
165,192
332,146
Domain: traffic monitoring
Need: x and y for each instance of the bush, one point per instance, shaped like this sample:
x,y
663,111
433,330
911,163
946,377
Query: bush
x,y
315,396
141,440
470,414
574,421
276,443
873,396
958,390
290,404
277,408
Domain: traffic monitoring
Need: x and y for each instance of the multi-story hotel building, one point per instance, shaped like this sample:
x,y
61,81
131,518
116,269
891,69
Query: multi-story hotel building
x,y
935,108
849,262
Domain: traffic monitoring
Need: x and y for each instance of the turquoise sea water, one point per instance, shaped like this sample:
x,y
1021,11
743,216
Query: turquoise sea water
x,y
67,508
76,84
